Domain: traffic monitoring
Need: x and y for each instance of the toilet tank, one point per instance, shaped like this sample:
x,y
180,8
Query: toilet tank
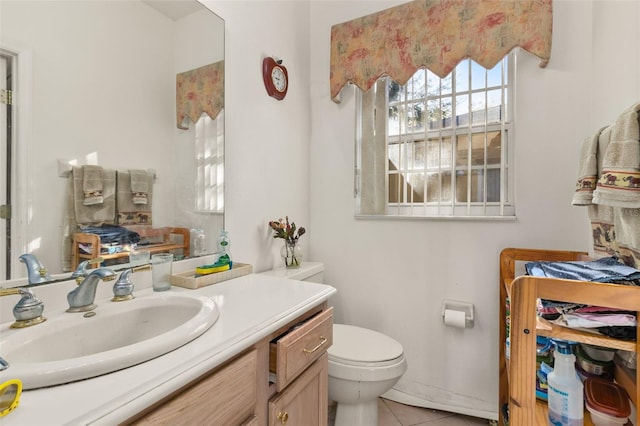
x,y
308,271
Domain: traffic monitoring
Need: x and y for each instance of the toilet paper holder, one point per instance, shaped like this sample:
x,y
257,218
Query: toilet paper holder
x,y
455,305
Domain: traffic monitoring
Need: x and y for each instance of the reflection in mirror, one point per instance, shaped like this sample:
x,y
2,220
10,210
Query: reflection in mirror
x,y
95,83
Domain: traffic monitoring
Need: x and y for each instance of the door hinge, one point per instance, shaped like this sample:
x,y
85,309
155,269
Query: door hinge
x,y
6,97
5,211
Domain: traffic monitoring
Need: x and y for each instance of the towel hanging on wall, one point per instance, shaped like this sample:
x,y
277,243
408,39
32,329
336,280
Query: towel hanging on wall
x,y
92,185
128,211
609,184
96,213
139,186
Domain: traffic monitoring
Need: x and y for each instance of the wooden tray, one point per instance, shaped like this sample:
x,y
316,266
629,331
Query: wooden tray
x,y
189,280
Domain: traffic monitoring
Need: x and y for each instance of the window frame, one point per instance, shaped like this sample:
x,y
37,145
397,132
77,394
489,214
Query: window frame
x,y
502,209
209,164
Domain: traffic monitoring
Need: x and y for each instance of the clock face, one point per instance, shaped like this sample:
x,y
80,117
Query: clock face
x,y
279,79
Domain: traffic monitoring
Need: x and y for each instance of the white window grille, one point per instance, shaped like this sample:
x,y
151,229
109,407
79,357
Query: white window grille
x,y
437,147
210,163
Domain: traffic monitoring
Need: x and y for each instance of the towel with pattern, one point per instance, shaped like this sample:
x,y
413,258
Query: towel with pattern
x,y
609,184
92,185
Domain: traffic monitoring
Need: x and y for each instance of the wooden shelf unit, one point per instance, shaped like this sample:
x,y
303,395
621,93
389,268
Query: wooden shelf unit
x,y
517,375
166,245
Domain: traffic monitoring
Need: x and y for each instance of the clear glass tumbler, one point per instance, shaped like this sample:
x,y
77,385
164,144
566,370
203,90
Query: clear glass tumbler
x,y
161,266
139,257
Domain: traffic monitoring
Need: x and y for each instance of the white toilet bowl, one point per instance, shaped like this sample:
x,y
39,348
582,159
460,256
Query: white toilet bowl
x,y
363,364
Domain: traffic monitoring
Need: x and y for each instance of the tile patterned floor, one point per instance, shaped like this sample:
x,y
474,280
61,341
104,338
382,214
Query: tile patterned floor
x,y
391,413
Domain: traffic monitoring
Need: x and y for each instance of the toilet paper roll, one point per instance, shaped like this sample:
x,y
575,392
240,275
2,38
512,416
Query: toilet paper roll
x,y
454,318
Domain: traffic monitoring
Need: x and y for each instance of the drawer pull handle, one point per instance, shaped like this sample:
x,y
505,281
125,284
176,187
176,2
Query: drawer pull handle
x,y
283,417
323,340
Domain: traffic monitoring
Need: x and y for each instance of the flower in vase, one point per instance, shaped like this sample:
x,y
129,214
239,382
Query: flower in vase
x,y
287,231
291,253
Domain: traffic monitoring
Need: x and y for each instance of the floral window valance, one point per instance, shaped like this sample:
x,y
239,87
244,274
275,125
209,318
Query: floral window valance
x,y
197,91
435,34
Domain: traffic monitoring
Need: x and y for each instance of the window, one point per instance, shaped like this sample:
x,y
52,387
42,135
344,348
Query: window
x,y
437,146
209,136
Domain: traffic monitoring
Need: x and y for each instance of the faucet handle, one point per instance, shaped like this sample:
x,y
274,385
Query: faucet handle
x,y
81,271
123,288
28,310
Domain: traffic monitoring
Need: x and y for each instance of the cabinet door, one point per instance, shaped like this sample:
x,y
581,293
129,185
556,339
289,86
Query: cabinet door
x,y
303,402
227,397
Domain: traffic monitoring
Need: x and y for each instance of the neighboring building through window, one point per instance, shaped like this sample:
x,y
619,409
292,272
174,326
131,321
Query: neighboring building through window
x,y
437,147
210,163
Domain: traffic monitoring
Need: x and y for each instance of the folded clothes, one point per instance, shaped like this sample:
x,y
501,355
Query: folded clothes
x,y
598,320
607,321
605,270
110,234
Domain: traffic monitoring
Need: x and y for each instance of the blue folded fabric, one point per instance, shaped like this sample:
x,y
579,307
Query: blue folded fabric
x,y
113,234
605,270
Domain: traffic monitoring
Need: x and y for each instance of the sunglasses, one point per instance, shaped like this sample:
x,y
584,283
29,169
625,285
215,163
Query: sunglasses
x,y
9,396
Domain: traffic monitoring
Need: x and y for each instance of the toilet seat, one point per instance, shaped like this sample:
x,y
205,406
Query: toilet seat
x,y
362,347
364,355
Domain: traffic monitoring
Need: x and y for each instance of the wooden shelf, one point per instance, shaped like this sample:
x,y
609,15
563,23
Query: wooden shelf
x,y
541,415
165,245
549,329
517,376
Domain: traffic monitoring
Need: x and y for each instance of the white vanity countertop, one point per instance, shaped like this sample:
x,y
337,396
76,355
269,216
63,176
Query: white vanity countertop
x,y
251,307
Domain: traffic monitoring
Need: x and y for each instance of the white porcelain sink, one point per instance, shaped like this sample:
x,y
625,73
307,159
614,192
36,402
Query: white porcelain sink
x,y
69,347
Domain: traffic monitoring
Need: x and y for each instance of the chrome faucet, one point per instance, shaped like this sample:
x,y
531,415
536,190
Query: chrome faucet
x,y
82,297
28,310
36,272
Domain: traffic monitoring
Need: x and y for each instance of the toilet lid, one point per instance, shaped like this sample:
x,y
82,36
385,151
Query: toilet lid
x,y
360,345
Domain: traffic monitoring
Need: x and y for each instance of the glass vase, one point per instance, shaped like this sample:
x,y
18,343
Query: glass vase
x,y
291,255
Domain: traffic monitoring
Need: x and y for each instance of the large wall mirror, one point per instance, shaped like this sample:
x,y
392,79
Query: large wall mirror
x,y
94,82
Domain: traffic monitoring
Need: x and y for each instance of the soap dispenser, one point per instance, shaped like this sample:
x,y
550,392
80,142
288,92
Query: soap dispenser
x,y
566,394
224,248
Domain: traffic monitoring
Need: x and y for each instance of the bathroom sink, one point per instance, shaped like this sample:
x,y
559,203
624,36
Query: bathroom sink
x,y
69,347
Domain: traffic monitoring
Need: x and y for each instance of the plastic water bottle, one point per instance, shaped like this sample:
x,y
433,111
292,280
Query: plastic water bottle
x,y
566,393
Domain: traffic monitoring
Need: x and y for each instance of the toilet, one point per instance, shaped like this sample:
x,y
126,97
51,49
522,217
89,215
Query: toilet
x,y
363,364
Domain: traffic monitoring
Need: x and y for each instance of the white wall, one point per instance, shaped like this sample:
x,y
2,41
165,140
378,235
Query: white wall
x,y
392,275
267,141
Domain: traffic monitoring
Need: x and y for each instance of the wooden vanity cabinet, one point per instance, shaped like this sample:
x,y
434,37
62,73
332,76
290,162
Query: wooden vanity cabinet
x,y
228,396
280,380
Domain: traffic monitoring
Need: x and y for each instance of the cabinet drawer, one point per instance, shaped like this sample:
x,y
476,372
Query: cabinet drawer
x,y
291,353
227,397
